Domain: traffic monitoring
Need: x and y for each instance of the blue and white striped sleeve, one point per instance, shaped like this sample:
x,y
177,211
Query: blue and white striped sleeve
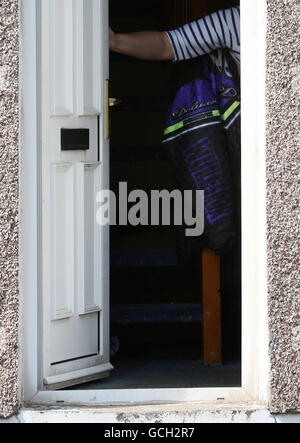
x,y
216,31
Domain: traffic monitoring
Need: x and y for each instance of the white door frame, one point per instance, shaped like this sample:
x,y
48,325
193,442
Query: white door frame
x,y
255,361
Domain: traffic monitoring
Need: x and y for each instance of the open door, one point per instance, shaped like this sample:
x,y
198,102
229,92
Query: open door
x,y
74,143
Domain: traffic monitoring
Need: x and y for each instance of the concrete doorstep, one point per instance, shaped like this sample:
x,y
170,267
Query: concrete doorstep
x,y
165,414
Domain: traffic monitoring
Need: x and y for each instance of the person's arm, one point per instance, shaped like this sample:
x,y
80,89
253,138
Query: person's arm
x,y
216,31
146,45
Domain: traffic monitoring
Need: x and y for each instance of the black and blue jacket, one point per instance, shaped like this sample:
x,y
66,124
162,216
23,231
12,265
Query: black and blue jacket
x,y
202,140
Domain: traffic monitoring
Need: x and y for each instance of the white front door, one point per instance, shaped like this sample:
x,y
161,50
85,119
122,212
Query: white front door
x,y
75,162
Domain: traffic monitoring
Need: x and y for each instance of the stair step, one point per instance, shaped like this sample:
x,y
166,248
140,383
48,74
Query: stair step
x,y
124,84
141,104
156,313
144,258
137,128
167,284
136,8
136,153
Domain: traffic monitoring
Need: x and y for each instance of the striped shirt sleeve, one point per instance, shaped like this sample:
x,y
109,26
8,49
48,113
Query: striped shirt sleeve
x,y
216,31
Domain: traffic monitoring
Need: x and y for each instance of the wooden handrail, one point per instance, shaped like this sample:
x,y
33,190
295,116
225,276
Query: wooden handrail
x,y
211,294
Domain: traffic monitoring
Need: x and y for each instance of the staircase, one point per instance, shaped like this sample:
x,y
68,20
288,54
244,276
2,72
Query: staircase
x,y
148,285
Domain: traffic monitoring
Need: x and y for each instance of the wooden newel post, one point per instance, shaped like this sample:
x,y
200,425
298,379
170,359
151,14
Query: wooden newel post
x,y
212,331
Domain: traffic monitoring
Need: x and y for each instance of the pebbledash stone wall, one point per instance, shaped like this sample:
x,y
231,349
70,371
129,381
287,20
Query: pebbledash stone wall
x,y
9,205
283,161
283,182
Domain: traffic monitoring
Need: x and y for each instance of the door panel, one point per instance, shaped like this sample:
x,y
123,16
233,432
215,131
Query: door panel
x,y
75,255
90,53
89,240
61,56
62,241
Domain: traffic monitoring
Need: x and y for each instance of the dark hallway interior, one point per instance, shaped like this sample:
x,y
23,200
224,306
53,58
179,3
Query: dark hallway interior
x,y
156,312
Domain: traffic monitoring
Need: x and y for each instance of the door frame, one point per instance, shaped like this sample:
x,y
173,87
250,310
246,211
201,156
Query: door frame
x,y
255,359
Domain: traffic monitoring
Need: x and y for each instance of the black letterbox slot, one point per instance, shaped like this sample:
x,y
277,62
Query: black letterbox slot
x,y
75,139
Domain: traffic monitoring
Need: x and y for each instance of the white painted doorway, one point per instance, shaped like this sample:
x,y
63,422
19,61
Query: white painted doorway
x,y
74,145
33,282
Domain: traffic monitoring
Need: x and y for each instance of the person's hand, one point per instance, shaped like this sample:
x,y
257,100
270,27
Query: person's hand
x,y
112,39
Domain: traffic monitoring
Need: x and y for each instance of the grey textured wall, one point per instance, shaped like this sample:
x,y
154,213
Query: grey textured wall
x,y
9,201
283,165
